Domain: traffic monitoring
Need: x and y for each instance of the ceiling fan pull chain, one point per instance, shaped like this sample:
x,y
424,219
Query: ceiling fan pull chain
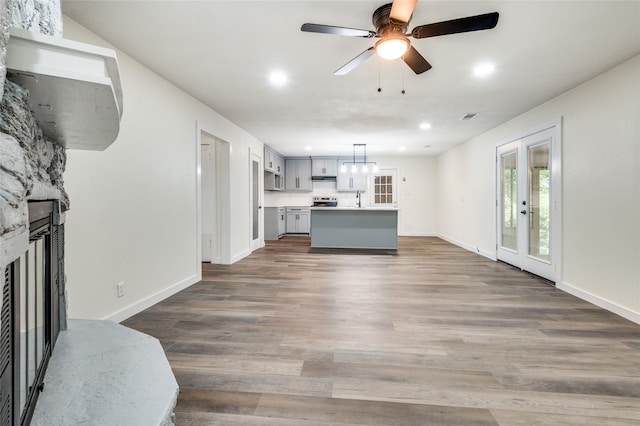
x,y
403,91
379,79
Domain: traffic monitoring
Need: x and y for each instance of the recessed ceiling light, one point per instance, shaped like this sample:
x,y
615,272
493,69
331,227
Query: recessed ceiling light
x,y
307,148
427,146
402,148
469,116
278,78
425,126
484,69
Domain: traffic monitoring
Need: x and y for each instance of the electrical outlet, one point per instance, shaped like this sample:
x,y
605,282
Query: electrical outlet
x,y
120,289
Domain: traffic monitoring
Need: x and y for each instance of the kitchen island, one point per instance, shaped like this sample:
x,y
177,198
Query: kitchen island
x,y
354,227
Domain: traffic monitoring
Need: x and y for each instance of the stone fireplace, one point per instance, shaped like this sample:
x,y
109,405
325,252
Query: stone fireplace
x,y
32,199
44,110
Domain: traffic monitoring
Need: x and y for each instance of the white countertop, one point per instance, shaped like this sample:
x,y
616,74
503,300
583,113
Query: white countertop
x,y
355,208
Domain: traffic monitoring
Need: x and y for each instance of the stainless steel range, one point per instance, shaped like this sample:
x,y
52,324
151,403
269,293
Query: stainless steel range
x,y
325,201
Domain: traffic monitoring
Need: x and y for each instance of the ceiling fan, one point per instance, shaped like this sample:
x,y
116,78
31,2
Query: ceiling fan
x,y
391,22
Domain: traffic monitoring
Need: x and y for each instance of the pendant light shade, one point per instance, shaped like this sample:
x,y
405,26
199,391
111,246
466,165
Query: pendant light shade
x,y
364,162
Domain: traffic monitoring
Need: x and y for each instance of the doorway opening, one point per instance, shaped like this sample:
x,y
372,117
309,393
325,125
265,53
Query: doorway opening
x,y
214,198
528,202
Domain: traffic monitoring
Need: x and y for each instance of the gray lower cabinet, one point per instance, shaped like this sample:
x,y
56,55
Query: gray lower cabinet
x,y
274,222
298,220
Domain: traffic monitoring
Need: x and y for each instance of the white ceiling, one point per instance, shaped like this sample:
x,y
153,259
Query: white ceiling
x,y
221,52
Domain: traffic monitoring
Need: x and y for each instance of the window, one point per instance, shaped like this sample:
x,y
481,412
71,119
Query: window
x,y
383,189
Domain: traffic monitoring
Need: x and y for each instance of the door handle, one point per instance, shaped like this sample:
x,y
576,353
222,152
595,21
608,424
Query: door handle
x,y
523,212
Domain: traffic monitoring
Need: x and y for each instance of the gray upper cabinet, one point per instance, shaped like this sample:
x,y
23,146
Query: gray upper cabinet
x,y
298,174
279,165
269,159
349,181
273,170
325,167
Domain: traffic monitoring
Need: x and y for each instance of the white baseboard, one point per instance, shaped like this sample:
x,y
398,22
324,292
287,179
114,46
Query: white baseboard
x,y
240,256
151,300
599,301
469,247
417,234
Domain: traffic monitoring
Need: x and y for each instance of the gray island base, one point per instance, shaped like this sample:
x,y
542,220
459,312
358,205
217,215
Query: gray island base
x,y
353,227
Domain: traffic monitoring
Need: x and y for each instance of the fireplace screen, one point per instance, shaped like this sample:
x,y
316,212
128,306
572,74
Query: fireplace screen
x,y
30,317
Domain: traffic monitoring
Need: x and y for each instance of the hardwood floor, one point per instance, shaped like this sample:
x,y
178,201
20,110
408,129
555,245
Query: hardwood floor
x,y
428,335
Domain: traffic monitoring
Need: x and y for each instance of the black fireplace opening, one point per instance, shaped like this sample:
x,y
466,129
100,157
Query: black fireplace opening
x,y
31,318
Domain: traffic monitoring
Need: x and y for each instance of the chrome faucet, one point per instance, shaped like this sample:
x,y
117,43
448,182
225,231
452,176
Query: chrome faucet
x,y
359,197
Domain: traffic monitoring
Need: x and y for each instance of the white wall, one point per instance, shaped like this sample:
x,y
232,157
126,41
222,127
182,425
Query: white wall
x,y
133,206
601,187
416,194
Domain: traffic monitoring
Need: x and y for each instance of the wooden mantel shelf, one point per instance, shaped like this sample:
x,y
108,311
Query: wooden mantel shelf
x,y
75,88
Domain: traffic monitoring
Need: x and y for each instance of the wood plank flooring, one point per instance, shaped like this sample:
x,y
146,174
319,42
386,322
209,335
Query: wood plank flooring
x,y
428,335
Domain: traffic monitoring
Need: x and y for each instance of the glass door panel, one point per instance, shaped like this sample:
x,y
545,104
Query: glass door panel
x,y
255,194
509,200
539,201
255,177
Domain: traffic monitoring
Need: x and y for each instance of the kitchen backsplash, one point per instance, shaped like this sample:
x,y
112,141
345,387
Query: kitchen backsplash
x,y
284,198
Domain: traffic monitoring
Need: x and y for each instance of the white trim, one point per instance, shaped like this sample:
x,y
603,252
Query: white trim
x,y
418,234
240,256
199,199
476,250
599,301
151,300
557,123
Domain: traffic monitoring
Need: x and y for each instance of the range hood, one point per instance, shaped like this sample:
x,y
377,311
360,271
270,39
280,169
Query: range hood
x,y
75,89
324,178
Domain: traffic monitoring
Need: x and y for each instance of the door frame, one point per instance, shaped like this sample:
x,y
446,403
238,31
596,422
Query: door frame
x,y
555,153
223,198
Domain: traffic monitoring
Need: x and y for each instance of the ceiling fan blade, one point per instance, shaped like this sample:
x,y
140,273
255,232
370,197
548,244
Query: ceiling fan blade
x,y
416,61
454,26
349,66
343,31
401,10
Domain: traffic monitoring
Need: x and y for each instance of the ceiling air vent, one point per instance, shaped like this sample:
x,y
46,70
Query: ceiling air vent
x,y
469,116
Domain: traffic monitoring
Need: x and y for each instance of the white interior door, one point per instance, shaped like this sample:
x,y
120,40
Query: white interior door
x,y
255,168
528,203
384,188
208,205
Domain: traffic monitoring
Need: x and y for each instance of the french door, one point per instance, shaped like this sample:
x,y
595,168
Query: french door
x,y
528,172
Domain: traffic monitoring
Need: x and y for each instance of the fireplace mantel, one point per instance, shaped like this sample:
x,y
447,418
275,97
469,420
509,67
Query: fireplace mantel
x,y
75,89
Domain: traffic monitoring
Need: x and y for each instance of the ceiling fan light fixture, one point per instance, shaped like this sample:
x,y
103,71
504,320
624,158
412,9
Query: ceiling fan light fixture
x,y
392,47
